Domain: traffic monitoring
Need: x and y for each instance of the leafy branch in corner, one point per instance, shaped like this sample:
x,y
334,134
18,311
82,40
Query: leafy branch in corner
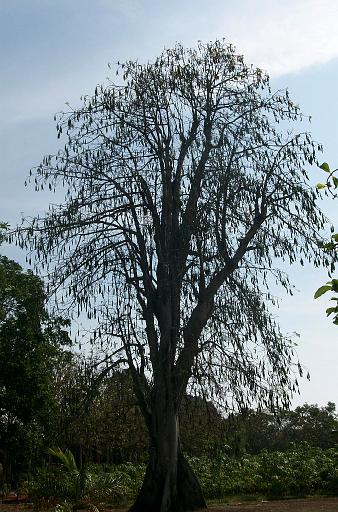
x,y
331,186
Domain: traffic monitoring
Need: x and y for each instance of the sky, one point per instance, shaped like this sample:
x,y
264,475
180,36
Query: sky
x,y
54,51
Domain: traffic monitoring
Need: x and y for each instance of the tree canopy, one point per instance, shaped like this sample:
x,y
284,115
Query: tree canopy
x,y
184,185
30,343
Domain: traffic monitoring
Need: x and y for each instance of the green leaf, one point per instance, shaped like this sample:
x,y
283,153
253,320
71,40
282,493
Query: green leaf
x,y
329,246
66,457
331,310
335,181
323,289
335,237
325,167
319,186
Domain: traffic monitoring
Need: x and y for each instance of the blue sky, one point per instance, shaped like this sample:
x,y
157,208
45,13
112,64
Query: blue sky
x,y
53,51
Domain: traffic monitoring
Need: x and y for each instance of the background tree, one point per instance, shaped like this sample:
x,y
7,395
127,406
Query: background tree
x,y
30,343
251,431
255,431
98,418
312,424
181,190
198,417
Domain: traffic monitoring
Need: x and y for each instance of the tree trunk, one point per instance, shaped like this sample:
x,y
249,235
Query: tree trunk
x,y
170,484
160,492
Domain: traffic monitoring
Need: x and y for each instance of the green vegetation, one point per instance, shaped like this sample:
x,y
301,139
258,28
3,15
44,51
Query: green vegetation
x,y
301,470
113,485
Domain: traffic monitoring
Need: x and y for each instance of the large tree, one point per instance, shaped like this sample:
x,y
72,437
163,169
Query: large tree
x,y
183,184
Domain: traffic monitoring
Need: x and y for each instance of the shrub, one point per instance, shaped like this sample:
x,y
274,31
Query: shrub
x,y
116,486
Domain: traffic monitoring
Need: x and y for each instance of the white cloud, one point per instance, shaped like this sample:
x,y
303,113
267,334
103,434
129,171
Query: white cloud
x,y
285,37
281,37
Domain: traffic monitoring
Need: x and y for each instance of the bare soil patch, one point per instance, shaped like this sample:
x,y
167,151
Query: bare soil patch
x,y
319,504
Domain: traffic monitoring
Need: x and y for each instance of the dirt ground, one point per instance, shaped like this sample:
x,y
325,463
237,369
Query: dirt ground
x,y
301,505
319,504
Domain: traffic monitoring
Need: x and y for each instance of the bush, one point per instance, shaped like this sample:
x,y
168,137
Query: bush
x,y
300,470
116,486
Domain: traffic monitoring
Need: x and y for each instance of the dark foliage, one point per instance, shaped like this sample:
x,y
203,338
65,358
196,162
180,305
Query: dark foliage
x,y
31,342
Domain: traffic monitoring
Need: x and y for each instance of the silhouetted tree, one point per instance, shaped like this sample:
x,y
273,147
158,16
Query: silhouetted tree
x,y
181,190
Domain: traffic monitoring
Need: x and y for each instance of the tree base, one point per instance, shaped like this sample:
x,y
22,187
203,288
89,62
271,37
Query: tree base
x,y
183,495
